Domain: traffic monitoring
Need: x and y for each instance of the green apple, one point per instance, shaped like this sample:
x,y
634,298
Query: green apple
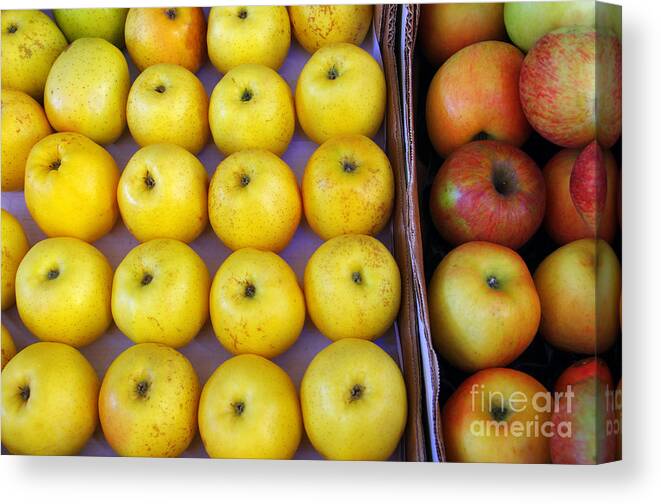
x,y
87,89
102,23
527,22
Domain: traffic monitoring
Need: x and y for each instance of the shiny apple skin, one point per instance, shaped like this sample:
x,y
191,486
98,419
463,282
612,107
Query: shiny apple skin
x,y
488,191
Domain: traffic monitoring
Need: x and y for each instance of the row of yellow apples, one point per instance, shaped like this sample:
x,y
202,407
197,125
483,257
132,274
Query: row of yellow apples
x,y
73,187
352,405
161,292
178,35
341,90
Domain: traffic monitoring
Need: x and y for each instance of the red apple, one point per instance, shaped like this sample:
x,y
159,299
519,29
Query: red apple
x,y
475,95
498,415
563,222
587,184
490,191
584,415
571,87
483,306
446,28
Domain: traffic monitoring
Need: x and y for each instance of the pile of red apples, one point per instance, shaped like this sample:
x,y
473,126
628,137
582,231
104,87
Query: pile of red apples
x,y
504,73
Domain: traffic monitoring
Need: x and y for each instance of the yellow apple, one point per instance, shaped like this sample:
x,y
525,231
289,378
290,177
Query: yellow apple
x,y
341,90
249,409
49,401
24,123
168,104
166,35
352,288
353,399
252,108
14,247
248,34
148,402
160,293
7,347
348,187
254,201
86,90
483,306
162,193
579,288
316,26
256,304
63,288
30,44
71,187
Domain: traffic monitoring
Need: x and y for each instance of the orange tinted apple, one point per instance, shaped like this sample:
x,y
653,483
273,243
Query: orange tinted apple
x,y
498,415
447,28
579,291
475,96
167,35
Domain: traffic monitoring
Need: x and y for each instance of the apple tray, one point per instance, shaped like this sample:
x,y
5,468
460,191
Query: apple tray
x,y
440,379
205,352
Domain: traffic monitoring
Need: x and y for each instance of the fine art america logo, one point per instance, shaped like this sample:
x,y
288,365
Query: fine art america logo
x,y
501,410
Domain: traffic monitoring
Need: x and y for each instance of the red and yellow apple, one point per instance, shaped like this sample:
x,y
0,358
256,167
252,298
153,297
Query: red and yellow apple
x,y
587,184
166,35
562,221
483,306
584,415
488,190
445,28
579,291
475,95
498,415
571,87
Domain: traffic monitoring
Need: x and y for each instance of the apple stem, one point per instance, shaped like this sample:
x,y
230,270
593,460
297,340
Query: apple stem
x,y
246,96
142,388
333,73
239,407
348,166
149,181
25,392
356,392
499,414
